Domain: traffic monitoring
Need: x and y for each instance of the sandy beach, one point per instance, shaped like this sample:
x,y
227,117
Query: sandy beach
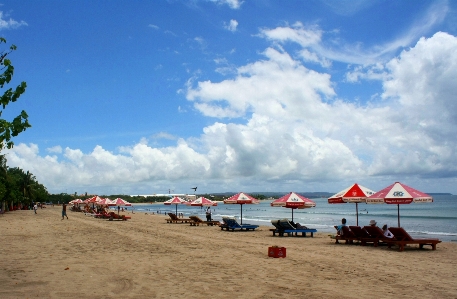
x,y
144,257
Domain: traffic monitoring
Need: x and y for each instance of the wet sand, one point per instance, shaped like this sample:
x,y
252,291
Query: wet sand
x,y
144,257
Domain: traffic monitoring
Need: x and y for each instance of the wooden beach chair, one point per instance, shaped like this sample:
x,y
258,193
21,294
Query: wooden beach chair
x,y
290,230
377,236
402,238
175,219
362,235
346,235
196,221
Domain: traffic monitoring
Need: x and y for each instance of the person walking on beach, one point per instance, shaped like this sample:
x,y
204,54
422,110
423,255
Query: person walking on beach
x,y
64,211
35,207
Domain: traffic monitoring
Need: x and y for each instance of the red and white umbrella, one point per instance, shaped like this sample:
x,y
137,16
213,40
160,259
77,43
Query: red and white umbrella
x,y
93,199
399,194
120,202
354,194
75,201
293,201
106,202
241,199
175,201
203,202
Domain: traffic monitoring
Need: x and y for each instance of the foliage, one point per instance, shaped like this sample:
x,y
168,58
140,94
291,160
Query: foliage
x,y
20,123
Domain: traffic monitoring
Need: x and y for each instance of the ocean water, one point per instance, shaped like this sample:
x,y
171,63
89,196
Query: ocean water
x,y
426,220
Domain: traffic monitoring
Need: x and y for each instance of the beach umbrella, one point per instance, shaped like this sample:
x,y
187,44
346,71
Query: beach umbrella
x,y
106,202
175,201
399,194
241,199
293,201
354,194
203,202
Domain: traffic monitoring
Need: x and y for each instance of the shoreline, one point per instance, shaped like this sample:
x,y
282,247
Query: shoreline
x,y
148,258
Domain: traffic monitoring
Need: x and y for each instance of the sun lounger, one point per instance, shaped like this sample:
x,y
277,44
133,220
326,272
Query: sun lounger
x,y
376,236
286,227
346,235
362,235
230,223
278,229
174,219
114,216
196,221
402,238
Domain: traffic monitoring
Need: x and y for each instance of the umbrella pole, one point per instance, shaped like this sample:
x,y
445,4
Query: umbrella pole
x,y
398,212
292,215
357,212
176,213
241,208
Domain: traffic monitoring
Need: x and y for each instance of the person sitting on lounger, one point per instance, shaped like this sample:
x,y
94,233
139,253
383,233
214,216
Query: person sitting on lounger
x,y
387,232
373,222
339,228
297,225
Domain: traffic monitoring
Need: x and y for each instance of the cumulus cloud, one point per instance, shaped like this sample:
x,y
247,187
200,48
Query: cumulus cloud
x,y
232,25
234,4
282,123
10,24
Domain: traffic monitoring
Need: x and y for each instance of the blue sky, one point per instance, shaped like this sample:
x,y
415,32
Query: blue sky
x,y
139,97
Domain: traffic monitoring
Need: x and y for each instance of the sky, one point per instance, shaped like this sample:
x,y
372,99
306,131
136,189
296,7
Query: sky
x,y
151,97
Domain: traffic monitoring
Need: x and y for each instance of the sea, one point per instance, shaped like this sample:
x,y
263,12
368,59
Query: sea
x,y
422,220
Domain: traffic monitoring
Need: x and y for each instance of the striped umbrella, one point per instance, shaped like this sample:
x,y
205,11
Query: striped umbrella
x,y
354,194
175,201
241,199
399,194
293,201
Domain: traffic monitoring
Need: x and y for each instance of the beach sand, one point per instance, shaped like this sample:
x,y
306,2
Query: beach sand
x,y
84,257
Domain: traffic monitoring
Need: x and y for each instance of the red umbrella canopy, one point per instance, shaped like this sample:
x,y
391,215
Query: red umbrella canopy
x,y
120,202
354,194
399,193
203,201
241,198
293,201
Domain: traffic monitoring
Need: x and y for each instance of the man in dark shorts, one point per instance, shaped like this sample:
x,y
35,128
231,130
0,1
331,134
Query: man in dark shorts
x,y
64,211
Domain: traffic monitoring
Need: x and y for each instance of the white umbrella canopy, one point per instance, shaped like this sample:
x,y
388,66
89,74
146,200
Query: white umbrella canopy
x,y
121,202
241,199
293,201
399,194
354,194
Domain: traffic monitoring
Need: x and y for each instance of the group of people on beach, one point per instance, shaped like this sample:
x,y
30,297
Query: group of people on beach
x,y
385,228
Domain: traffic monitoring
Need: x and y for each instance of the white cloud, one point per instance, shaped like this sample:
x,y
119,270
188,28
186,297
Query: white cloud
x,y
288,128
10,24
234,4
55,149
153,26
233,24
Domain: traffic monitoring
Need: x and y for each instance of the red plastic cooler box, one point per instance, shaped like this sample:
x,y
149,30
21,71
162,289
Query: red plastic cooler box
x,y
277,252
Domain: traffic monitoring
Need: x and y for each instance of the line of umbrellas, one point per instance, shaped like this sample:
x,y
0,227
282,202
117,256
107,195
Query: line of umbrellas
x,y
102,201
397,193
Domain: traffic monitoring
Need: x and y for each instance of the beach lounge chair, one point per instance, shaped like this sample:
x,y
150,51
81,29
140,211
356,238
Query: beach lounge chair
x,y
346,235
196,221
114,216
290,230
376,236
230,223
175,219
278,229
402,238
